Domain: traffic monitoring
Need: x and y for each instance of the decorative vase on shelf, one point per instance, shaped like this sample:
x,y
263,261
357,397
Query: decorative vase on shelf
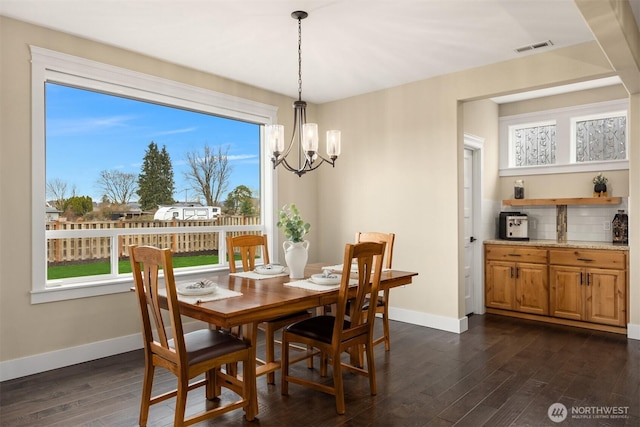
x,y
600,188
296,255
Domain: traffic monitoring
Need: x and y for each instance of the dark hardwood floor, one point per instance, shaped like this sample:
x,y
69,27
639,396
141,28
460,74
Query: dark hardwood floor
x,y
502,372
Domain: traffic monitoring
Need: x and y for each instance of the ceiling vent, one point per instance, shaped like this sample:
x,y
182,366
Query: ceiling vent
x,y
533,46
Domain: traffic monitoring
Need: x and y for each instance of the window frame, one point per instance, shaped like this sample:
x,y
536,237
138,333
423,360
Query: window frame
x,y
48,65
565,139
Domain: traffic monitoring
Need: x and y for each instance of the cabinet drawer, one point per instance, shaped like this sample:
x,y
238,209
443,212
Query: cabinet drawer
x,y
516,253
588,258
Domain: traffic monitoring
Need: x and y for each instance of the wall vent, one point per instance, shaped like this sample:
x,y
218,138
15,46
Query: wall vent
x,y
533,46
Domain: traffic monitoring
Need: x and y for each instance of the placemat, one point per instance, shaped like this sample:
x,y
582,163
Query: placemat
x,y
220,293
309,285
255,276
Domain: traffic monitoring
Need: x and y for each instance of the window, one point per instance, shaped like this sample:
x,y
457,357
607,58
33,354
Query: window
x,y
601,137
533,144
98,248
576,139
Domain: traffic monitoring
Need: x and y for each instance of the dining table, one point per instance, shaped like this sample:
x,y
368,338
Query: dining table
x,y
257,298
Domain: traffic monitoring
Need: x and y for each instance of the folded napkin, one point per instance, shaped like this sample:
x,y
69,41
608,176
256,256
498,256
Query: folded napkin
x,y
256,276
218,294
309,285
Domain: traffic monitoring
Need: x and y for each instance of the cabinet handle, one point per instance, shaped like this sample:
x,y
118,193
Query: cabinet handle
x,y
581,279
515,255
511,271
585,259
517,272
588,279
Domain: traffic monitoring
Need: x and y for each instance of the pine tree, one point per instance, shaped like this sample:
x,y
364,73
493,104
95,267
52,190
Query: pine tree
x,y
155,182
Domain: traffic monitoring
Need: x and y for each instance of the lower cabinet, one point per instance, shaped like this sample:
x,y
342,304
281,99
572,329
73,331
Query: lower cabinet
x,y
573,284
590,294
520,285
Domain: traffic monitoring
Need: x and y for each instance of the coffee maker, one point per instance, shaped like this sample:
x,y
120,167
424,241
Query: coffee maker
x,y
513,226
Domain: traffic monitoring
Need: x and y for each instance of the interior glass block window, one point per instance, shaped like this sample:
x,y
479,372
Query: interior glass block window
x,y
533,145
601,138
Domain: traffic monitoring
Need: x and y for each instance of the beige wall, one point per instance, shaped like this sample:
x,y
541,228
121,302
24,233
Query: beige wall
x,y
399,171
27,329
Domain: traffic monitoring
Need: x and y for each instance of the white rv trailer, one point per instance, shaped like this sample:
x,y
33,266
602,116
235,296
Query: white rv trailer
x,y
167,213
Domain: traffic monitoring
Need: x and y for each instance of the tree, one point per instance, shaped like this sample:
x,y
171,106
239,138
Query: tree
x,y
119,187
155,182
240,201
57,192
209,173
80,204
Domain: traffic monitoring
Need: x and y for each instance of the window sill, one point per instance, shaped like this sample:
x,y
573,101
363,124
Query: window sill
x,y
568,168
106,287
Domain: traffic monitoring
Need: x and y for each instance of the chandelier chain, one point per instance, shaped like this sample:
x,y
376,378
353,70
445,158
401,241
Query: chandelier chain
x,y
299,59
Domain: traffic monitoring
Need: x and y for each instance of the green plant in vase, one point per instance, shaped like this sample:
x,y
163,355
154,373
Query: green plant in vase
x,y
292,224
296,249
600,184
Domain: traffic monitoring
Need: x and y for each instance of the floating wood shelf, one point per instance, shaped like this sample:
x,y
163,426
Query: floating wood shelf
x,y
564,201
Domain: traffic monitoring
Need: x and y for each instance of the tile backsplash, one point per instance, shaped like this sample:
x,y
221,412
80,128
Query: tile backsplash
x,y
585,223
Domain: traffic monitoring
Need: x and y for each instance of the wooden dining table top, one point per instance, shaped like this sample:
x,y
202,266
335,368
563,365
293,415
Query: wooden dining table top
x,y
269,298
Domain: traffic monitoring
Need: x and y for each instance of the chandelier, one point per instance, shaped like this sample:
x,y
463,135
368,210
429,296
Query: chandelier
x,y
304,134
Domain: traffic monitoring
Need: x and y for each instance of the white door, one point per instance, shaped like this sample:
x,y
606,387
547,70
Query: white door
x,y
469,239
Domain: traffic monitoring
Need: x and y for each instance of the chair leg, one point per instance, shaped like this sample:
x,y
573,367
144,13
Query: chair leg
x,y
338,384
181,401
270,350
385,324
284,365
147,384
371,369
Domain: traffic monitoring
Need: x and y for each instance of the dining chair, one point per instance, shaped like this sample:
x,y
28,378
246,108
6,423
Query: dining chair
x,y
333,335
188,355
247,245
382,302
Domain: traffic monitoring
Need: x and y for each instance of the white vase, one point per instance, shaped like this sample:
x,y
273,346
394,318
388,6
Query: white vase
x,y
296,255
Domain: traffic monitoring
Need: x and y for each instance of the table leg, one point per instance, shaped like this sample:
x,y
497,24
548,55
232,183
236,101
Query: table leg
x,y
251,333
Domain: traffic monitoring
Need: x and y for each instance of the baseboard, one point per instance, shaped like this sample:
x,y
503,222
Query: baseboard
x,y
448,324
43,362
633,331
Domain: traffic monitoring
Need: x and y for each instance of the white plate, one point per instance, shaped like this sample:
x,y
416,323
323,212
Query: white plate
x,y
318,279
202,287
269,269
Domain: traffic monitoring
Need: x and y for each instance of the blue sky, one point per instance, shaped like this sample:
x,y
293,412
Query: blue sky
x,y
88,132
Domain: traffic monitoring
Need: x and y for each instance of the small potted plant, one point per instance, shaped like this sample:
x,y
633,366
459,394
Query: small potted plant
x,y
600,185
296,249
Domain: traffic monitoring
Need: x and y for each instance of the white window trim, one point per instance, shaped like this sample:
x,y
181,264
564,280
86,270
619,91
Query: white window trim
x,y
48,65
564,139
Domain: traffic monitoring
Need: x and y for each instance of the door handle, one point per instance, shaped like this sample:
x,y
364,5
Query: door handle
x,y
472,239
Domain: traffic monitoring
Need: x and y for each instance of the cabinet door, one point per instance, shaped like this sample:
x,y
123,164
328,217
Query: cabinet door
x,y
567,293
605,297
499,282
532,289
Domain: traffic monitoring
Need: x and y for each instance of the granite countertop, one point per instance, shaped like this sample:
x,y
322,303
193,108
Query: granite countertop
x,y
555,244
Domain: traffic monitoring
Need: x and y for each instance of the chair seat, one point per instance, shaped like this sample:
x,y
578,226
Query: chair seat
x,y
319,328
206,344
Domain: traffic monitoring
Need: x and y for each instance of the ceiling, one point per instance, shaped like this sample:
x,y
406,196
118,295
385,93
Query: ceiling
x,y
349,47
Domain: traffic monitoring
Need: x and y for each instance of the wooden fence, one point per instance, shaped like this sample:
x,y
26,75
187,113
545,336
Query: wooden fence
x,y
87,249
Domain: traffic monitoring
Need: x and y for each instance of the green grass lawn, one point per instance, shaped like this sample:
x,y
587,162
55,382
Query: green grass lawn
x,y
92,269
